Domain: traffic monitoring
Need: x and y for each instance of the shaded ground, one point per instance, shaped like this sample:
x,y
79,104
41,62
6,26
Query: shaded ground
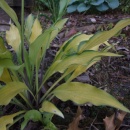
x,y
111,74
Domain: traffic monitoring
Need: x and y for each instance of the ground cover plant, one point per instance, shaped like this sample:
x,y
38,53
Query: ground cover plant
x,y
125,6
27,78
84,5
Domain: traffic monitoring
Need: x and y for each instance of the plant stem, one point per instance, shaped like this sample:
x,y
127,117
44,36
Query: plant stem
x,y
22,27
49,90
18,103
26,100
37,82
17,119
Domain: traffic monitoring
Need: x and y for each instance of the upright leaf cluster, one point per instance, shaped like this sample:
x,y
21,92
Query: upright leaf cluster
x,y
25,78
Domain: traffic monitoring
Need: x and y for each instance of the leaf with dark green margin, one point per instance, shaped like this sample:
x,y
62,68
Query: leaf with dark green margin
x,y
101,37
33,115
47,117
76,59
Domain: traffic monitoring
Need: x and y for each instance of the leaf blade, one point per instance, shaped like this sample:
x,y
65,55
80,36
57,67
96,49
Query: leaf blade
x,y
51,108
82,93
10,91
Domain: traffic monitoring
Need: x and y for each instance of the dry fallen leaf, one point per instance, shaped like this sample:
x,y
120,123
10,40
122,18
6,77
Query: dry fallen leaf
x,y
109,122
71,32
114,122
74,124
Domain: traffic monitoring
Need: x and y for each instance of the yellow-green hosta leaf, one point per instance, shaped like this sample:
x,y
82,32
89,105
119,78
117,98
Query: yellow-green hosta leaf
x,y
51,108
28,26
13,37
5,77
4,53
2,46
101,37
8,63
1,71
77,59
44,40
57,27
83,93
36,30
82,68
73,43
10,90
6,120
10,12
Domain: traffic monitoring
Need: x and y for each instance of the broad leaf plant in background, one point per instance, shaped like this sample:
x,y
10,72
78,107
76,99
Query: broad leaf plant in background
x,y
19,71
85,5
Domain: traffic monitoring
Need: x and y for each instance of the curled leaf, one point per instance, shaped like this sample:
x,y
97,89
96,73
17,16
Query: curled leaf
x,y
114,122
5,120
13,37
33,115
51,108
36,30
74,124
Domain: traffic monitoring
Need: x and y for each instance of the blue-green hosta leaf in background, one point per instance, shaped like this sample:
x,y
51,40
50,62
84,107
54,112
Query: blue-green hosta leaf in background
x,y
32,115
83,7
96,2
113,3
72,8
102,7
84,93
51,108
6,120
10,90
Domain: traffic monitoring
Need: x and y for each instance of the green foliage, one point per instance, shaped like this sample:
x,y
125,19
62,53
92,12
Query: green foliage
x,y
56,7
84,5
32,115
125,6
23,86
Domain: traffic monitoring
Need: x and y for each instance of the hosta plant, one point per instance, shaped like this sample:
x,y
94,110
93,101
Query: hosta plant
x,y
84,5
24,77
